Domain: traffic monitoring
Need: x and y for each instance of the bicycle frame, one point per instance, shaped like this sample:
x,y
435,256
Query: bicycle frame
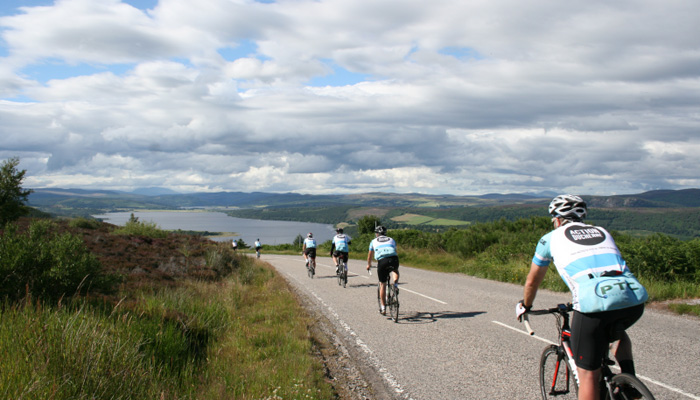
x,y
610,383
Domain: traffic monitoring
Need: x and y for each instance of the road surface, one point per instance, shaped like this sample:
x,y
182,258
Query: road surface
x,y
457,337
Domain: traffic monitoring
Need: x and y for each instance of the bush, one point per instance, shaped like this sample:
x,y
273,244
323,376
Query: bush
x,y
134,227
85,223
46,264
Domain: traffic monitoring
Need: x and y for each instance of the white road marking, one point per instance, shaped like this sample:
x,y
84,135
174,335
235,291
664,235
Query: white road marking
x,y
403,289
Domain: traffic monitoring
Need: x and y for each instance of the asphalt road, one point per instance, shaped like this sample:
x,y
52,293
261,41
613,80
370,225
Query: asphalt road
x,y
457,337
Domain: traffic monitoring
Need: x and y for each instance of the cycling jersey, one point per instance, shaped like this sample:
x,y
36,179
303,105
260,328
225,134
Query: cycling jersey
x,y
582,253
383,246
257,245
341,243
310,243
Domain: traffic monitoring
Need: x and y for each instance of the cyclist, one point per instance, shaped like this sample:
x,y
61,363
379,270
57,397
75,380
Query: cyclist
x,y
340,246
258,246
587,257
383,248
234,243
309,248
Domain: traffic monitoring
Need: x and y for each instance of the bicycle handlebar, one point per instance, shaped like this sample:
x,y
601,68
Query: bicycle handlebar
x,y
561,308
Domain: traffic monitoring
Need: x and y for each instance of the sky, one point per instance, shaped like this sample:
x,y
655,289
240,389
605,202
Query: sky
x,y
352,96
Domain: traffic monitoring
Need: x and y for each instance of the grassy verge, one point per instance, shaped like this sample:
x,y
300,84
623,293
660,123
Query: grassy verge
x,y
514,270
244,337
692,309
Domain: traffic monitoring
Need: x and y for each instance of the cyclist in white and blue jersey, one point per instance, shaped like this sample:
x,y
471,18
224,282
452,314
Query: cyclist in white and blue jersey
x,y
581,254
340,248
383,248
309,248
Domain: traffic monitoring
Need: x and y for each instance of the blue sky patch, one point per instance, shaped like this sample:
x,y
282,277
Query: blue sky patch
x,y
461,53
246,48
339,77
48,70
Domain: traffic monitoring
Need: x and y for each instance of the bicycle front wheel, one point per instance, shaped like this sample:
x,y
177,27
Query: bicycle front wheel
x,y
627,387
557,381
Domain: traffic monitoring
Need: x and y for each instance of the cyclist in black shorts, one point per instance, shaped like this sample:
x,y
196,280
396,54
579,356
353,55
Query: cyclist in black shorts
x,y
383,248
588,261
309,248
340,247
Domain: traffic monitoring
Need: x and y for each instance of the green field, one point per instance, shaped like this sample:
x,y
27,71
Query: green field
x,y
416,219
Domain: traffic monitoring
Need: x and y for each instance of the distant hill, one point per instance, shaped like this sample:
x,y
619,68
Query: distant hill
x,y
653,211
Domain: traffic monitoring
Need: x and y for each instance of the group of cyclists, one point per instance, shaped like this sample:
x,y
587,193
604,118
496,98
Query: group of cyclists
x,y
382,249
587,259
257,245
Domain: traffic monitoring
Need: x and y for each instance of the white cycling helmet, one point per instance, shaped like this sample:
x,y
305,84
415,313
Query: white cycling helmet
x,y
568,206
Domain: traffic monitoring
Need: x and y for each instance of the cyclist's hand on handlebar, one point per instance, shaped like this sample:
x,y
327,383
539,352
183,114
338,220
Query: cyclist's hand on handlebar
x,y
520,310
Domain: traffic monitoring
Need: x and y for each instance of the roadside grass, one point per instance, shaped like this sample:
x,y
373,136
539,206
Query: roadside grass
x,y
692,309
514,269
242,337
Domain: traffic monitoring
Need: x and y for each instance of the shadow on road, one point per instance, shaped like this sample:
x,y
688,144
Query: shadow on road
x,y
429,317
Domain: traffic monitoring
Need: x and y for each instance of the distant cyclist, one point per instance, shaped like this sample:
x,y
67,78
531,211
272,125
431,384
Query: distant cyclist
x,y
340,247
606,296
383,248
258,246
234,243
309,248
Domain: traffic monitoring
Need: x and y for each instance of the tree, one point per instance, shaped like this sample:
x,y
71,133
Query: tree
x,y
298,241
367,224
12,196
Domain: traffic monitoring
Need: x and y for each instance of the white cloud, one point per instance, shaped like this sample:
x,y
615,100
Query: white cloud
x,y
454,97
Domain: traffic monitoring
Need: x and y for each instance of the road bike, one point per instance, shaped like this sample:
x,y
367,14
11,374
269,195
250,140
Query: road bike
x,y
392,299
558,373
311,267
342,268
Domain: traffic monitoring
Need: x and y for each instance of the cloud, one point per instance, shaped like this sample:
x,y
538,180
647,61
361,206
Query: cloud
x,y
435,97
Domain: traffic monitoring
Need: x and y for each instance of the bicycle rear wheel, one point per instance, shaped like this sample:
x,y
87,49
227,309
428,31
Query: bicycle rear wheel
x,y
312,264
344,273
556,378
626,387
393,302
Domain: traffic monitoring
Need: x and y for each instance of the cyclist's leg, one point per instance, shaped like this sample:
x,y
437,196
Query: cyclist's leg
x,y
623,353
588,384
589,344
383,277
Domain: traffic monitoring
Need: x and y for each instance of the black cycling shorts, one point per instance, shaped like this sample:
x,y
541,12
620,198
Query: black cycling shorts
x,y
310,252
342,254
592,332
385,266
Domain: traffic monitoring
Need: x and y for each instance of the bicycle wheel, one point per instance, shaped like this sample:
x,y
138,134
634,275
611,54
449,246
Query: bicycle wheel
x,y
312,264
379,298
309,270
344,272
627,387
339,274
556,379
393,302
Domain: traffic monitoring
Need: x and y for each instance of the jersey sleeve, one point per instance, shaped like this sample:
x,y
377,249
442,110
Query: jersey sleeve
x,y
543,254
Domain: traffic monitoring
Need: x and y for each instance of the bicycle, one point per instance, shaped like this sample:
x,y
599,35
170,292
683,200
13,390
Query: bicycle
x,y
311,267
342,274
392,299
559,376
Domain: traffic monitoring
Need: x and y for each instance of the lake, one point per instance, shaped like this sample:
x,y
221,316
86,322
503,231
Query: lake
x,y
269,232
